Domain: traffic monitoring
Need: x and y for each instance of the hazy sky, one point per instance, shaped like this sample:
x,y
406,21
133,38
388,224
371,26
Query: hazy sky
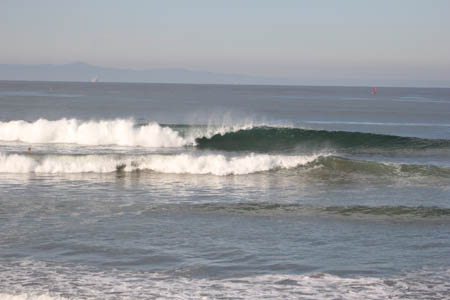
x,y
389,40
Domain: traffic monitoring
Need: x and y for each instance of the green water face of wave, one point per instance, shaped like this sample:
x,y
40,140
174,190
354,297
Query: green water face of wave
x,y
264,139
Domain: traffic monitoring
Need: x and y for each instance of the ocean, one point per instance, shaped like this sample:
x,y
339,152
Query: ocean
x,y
165,191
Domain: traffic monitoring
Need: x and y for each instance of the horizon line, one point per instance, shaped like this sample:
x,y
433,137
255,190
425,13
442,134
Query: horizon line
x,y
228,84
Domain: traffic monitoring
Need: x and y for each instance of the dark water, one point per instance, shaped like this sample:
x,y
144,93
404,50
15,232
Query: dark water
x,y
146,191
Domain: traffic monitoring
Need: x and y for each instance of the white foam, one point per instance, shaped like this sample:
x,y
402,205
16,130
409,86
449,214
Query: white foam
x,y
216,164
51,281
113,132
221,165
122,132
29,296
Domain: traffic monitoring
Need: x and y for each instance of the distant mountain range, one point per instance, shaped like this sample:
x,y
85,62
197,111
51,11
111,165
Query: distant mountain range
x,y
82,72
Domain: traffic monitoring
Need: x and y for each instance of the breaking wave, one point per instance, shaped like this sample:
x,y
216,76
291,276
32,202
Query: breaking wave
x,y
71,131
236,137
121,132
216,164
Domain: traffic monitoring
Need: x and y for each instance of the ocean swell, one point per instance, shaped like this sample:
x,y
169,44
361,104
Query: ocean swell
x,y
265,138
386,212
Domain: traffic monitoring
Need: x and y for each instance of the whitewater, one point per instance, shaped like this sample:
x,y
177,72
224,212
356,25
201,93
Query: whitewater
x,y
177,164
215,192
72,131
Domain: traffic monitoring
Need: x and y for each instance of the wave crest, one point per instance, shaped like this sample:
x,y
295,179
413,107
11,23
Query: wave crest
x,y
324,166
114,132
215,164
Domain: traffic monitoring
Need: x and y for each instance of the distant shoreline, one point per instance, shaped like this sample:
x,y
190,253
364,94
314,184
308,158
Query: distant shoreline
x,y
82,72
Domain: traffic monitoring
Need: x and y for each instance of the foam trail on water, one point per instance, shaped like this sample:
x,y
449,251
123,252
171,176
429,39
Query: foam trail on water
x,y
81,282
29,296
215,164
113,132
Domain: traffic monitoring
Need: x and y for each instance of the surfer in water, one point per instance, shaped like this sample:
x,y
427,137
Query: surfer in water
x,y
28,150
